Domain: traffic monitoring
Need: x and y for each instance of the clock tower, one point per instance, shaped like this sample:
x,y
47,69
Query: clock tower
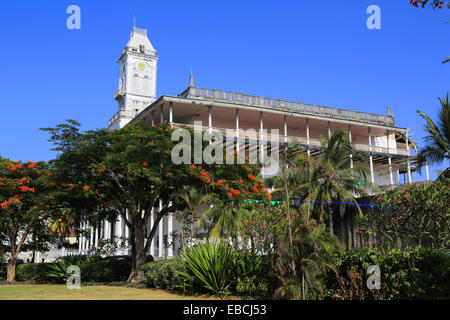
x,y
137,78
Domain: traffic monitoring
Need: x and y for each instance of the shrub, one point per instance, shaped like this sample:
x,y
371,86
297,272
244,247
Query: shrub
x,y
166,274
411,273
93,269
211,264
2,271
33,273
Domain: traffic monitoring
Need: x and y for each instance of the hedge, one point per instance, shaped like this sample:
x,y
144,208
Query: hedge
x,y
165,274
97,271
410,273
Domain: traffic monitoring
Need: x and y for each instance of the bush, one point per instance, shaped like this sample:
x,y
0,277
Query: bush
x,y
92,268
106,270
33,273
411,273
2,271
166,275
212,265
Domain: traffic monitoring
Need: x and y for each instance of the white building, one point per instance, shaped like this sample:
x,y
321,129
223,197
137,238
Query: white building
x,y
387,147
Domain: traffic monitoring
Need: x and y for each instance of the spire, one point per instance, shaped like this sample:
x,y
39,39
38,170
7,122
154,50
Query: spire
x,y
191,80
134,20
389,110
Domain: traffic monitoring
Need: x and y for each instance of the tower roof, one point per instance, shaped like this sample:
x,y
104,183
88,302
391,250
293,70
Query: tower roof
x,y
139,38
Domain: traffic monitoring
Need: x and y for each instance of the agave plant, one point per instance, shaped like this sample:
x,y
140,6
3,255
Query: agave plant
x,y
58,270
211,263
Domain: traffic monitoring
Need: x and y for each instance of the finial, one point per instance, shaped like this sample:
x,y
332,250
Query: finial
x,y
191,80
134,20
389,110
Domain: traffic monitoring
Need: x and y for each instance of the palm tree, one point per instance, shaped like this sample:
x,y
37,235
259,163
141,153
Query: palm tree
x,y
438,138
193,201
225,218
336,182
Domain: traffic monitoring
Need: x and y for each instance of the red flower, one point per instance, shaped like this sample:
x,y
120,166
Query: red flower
x,y
86,188
145,164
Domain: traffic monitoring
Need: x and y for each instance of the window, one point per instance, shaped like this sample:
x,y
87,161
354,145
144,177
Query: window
x,y
142,48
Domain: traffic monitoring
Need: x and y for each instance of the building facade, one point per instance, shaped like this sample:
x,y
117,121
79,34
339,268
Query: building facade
x,y
244,121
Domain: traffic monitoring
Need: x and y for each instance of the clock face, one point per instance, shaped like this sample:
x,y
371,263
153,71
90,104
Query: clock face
x,y
141,66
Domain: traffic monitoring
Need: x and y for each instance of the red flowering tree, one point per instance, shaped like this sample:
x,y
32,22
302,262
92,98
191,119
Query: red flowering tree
x,y
418,213
132,170
26,200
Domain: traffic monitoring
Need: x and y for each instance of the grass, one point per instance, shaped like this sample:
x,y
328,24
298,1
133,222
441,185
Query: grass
x,y
61,292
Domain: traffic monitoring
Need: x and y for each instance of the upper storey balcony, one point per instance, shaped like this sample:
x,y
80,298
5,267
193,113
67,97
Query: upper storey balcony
x,y
282,105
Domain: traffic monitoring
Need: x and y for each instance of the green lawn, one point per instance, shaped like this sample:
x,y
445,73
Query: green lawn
x,y
61,292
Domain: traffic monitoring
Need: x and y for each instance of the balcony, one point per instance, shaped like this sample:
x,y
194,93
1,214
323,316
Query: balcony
x,y
253,136
243,99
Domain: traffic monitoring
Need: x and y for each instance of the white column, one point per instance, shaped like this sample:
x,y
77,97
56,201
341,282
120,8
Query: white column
x,y
97,234
350,138
285,129
118,231
91,238
126,229
169,233
210,119
153,118
329,130
371,158
261,140
161,114
170,113
152,222
308,141
391,176
80,239
427,171
107,230
161,231
408,163
237,130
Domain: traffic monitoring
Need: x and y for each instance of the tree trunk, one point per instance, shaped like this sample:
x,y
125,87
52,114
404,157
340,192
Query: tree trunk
x,y
331,219
138,252
11,269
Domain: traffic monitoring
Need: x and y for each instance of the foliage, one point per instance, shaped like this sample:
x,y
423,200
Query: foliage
x,y
435,4
211,263
34,273
93,268
411,273
166,275
416,212
27,202
112,172
437,149
194,201
315,251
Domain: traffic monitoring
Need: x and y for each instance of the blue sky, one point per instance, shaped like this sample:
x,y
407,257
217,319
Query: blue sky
x,y
318,52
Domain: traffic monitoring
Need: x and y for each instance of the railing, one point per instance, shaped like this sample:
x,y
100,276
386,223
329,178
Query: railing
x,y
216,95
255,136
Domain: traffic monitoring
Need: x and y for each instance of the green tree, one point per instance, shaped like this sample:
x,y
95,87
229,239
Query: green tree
x,y
438,139
336,183
194,201
131,170
417,213
26,202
